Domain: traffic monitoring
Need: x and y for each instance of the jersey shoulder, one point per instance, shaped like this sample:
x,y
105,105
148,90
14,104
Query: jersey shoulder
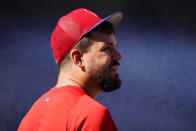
x,y
89,106
88,114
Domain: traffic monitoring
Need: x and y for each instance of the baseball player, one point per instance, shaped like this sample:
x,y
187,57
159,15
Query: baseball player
x,y
84,46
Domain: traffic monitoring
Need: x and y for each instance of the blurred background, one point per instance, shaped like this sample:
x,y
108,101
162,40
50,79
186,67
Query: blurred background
x,y
156,38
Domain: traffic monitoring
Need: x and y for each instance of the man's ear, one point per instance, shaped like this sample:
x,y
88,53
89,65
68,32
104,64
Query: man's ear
x,y
76,57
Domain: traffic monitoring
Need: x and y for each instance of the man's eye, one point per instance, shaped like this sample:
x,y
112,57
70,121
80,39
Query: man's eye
x,y
107,48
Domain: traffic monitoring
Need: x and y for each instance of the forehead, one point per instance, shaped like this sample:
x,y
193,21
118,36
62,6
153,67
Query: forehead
x,y
103,39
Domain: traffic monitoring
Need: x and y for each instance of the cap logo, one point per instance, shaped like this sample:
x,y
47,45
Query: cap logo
x,y
68,25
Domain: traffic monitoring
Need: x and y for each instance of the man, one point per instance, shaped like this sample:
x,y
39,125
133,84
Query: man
x,y
84,46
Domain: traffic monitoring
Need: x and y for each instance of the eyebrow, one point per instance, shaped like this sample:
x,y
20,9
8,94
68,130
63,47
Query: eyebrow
x,y
109,43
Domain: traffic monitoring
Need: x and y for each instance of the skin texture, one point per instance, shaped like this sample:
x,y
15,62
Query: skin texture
x,y
85,68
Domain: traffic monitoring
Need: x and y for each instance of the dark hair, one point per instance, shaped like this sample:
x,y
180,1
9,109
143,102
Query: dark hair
x,y
85,42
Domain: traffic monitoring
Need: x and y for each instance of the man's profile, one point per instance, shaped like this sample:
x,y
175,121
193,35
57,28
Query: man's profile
x,y
84,46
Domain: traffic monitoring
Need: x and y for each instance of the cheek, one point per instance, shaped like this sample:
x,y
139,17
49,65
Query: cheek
x,y
102,59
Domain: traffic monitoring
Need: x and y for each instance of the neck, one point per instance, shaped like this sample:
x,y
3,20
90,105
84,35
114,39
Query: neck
x,y
89,87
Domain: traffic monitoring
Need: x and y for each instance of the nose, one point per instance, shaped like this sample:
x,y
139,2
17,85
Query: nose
x,y
117,56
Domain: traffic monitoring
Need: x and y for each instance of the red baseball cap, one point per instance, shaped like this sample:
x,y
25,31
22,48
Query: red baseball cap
x,y
71,27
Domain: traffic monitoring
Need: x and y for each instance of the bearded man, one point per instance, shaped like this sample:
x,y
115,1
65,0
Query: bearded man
x,y
84,46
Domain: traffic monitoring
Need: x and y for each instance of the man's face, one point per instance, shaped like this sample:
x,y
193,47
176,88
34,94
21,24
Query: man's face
x,y
102,61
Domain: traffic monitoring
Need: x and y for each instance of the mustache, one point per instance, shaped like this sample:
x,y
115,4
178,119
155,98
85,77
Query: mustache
x,y
114,63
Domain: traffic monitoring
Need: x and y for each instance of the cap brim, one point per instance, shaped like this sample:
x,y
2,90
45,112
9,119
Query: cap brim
x,y
114,19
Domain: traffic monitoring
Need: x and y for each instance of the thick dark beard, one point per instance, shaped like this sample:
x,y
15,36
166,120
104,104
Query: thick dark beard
x,y
106,82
